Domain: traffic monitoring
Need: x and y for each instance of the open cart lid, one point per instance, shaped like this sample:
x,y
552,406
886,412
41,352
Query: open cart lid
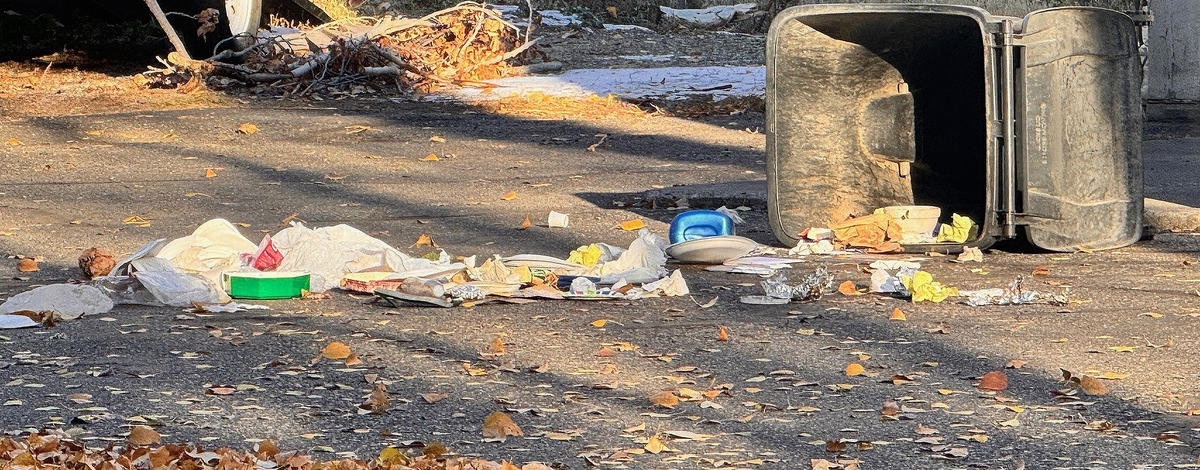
x,y
1079,136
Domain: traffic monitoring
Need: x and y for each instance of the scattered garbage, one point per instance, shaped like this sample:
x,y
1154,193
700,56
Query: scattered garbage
x,y
925,289
917,223
887,276
712,250
970,253
877,233
960,229
179,289
712,17
696,224
95,262
266,285
811,287
65,301
1014,294
214,247
557,220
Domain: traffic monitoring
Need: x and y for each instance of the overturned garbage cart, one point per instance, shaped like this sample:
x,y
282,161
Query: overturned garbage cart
x,y
1032,126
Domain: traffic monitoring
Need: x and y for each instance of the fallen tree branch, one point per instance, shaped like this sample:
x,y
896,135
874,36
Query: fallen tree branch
x,y
163,23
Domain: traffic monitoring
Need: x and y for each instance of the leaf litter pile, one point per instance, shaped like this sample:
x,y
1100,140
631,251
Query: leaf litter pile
x,y
50,451
457,46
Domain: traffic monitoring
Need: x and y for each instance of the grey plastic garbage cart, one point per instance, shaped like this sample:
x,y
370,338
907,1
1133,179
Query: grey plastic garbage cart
x,y
1029,126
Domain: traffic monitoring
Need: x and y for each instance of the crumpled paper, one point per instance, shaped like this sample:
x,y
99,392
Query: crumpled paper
x,y
587,255
925,289
811,287
644,261
960,229
670,286
886,276
876,232
804,248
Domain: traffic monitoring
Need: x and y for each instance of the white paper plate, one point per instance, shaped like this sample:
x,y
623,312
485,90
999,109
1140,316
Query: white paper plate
x,y
711,250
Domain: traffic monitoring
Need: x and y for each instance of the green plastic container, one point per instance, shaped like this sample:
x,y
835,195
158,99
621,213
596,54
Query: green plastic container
x,y
266,285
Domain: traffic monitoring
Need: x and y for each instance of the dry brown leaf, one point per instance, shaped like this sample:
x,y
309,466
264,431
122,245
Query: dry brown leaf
x,y
434,397
898,315
509,196
722,333
27,265
353,360
854,369
655,445
605,352
632,225
336,350
1092,386
221,391
994,380
437,139
600,323
525,224
379,401
424,240
834,446
246,128
848,288
210,173
430,158
890,409
13,142
499,426
665,399
496,347
143,436
1015,364
1041,271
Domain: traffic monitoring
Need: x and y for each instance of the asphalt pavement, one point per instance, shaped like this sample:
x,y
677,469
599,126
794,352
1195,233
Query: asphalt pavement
x,y
774,394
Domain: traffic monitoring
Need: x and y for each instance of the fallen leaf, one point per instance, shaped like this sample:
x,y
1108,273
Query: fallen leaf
x,y
890,409
27,265
509,196
600,323
246,128
353,360
1110,375
1010,423
143,436
834,446
136,220
358,129
336,351
221,391
665,399
434,397
499,426
822,464
854,369
13,142
1122,348
655,445
210,173
1092,386
632,225
1151,314
722,333
848,288
379,401
437,139
1015,364
605,352
525,224
994,380
1041,271
496,347
898,315
430,158
424,240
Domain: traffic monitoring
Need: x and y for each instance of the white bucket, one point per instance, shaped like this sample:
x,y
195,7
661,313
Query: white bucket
x,y
916,222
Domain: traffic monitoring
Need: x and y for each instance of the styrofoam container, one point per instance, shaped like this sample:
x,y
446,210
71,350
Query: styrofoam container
x,y
915,221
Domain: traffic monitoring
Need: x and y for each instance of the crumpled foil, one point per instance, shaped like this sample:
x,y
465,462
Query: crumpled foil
x,y
1014,294
467,292
809,288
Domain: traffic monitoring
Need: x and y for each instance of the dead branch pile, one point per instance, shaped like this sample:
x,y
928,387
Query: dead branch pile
x,y
458,46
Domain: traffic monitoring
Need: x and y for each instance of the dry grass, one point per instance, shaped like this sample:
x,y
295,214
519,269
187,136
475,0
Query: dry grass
x,y
543,106
28,90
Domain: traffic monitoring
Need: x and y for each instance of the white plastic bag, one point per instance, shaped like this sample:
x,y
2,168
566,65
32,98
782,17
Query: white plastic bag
x,y
329,253
216,246
67,301
644,261
178,289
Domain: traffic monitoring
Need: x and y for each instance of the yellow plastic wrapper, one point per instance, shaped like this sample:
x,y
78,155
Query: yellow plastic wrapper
x,y
959,230
925,289
587,255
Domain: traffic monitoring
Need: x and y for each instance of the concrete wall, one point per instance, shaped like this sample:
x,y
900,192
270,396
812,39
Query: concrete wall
x,y
1174,48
